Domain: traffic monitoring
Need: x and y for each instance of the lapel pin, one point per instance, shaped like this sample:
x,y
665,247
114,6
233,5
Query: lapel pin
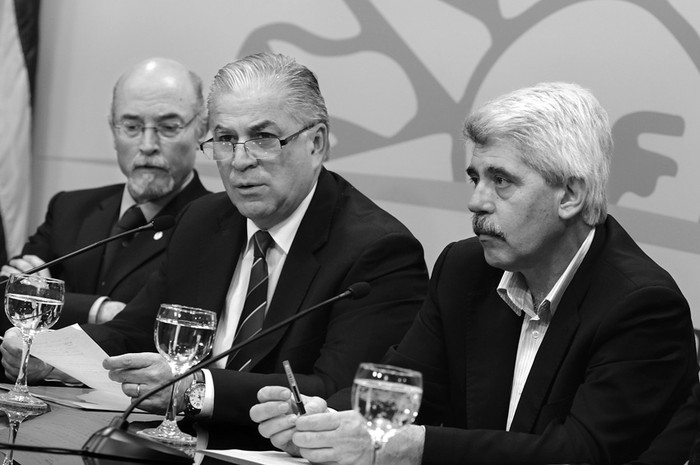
x,y
157,236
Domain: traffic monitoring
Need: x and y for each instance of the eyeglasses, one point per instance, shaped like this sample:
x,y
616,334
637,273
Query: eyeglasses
x,y
260,148
167,129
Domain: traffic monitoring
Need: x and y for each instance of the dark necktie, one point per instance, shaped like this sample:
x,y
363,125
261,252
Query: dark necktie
x,y
132,218
253,315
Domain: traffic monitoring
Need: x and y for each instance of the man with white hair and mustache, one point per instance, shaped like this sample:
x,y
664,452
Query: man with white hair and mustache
x,y
157,119
551,337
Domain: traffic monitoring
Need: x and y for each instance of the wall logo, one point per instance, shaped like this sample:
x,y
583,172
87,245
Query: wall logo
x,y
635,169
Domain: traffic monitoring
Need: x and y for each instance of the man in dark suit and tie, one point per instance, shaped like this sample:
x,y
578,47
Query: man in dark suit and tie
x,y
551,337
317,235
157,119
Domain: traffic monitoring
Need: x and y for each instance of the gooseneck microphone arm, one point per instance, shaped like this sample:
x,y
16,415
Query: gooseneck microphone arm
x,y
115,439
157,224
355,291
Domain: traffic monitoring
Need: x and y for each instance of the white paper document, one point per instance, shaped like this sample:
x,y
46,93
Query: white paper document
x,y
250,457
73,352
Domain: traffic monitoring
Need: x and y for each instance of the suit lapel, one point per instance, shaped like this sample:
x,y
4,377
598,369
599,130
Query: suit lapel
x,y
147,244
491,334
96,226
218,257
301,265
561,331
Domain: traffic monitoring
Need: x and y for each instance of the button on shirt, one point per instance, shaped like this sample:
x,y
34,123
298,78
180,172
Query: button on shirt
x,y
514,291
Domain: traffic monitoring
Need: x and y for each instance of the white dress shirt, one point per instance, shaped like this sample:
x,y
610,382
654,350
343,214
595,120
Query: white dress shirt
x,y
514,291
283,235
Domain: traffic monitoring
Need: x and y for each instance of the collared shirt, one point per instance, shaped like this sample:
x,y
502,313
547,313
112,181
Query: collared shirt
x,y
514,291
283,235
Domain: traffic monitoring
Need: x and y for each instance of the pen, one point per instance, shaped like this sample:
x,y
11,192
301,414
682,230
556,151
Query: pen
x,y
294,387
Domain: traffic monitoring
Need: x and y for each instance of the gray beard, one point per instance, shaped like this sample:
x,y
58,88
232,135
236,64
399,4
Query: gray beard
x,y
147,188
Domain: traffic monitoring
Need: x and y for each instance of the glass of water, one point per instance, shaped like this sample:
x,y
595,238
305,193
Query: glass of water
x,y
33,304
184,337
388,398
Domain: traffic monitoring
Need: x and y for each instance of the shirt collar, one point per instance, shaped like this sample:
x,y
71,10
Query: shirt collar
x,y
283,233
151,208
514,290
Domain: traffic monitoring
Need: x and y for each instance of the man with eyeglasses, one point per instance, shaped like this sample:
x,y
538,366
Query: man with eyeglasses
x,y
314,233
157,119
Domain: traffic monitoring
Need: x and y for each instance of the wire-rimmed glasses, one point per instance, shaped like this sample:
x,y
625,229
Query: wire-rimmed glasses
x,y
168,129
260,148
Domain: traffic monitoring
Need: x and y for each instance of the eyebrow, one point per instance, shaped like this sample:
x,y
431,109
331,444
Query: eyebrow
x,y
493,171
158,118
254,128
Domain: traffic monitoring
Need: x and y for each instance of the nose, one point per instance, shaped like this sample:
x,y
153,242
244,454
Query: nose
x,y
481,200
149,142
241,159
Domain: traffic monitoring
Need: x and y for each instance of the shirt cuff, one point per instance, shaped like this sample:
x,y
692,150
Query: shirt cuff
x,y
95,309
208,403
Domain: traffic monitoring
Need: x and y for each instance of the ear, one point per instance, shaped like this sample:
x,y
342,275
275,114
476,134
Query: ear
x,y
573,195
318,139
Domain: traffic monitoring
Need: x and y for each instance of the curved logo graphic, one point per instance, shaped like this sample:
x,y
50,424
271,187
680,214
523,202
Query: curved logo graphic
x,y
636,170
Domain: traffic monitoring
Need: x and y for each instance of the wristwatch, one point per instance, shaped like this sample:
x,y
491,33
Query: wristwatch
x,y
194,395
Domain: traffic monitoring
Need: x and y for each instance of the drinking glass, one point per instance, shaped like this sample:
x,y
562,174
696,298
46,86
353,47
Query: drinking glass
x,y
184,337
33,304
388,398
14,418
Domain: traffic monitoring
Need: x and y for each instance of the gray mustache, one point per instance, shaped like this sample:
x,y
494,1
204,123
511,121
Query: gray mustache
x,y
482,227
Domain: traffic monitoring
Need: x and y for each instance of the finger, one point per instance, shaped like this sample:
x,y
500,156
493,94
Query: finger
x,y
271,409
320,455
131,361
33,260
278,425
318,422
20,265
132,389
270,393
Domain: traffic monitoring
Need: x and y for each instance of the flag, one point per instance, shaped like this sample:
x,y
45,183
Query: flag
x,y
19,27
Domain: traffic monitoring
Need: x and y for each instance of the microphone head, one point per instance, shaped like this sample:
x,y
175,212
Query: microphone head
x,y
162,223
359,290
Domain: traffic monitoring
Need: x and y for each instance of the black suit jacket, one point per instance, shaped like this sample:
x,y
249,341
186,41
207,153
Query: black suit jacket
x,y
617,360
78,218
675,443
343,238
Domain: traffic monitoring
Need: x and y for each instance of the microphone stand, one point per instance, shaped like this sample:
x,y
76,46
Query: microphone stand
x,y
159,224
115,439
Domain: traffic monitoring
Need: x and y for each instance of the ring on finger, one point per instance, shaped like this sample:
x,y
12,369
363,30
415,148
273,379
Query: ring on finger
x,y
138,390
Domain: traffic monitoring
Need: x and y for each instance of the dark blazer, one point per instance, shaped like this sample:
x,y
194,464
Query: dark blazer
x,y
616,362
682,434
343,238
77,218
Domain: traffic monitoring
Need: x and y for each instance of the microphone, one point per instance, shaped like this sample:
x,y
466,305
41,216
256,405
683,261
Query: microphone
x,y
160,223
116,440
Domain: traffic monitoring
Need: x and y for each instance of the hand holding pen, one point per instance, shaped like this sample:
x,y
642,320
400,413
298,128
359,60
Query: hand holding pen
x,y
294,387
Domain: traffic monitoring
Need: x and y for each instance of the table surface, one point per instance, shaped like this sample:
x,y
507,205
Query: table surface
x,y
68,427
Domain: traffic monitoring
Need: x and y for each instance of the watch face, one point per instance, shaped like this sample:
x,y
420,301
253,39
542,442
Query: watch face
x,y
195,396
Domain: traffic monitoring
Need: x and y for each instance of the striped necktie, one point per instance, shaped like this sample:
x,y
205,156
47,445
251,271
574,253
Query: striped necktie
x,y
253,315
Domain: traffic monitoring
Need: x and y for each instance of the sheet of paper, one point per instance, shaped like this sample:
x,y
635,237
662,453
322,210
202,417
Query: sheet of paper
x,y
73,352
79,397
250,457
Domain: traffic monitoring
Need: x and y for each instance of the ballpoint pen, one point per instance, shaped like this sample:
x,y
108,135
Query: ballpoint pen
x,y
294,387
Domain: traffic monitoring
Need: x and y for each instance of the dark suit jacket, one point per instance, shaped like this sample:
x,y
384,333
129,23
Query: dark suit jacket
x,y
673,446
617,360
343,238
77,218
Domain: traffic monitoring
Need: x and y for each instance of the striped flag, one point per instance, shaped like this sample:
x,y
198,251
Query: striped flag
x,y
18,51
